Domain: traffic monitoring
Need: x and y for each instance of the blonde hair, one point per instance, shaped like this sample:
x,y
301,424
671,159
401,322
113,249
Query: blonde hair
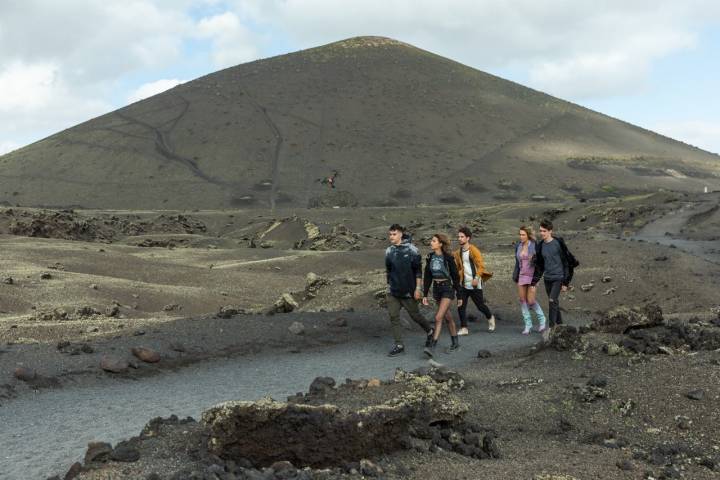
x,y
529,231
444,242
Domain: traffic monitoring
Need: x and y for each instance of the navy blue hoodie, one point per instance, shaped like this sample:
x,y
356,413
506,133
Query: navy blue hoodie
x,y
403,266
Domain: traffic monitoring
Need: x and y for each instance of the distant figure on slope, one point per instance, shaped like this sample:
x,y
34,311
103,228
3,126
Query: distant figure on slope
x,y
525,257
554,261
441,272
403,267
330,181
471,267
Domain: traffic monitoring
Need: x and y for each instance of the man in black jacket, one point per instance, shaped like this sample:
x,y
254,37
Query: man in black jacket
x,y
403,267
555,262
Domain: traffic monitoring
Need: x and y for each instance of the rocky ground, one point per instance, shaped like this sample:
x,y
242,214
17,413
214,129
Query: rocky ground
x,y
634,395
93,295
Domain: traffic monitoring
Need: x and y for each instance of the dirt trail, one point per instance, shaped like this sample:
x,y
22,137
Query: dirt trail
x,y
60,423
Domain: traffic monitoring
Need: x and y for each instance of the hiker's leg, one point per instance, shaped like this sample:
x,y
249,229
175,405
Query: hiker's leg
x,y
393,306
411,305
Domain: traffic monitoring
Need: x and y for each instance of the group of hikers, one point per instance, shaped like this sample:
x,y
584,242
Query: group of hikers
x,y
460,275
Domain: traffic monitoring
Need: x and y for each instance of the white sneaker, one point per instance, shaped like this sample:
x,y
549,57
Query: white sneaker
x,y
491,324
463,331
546,335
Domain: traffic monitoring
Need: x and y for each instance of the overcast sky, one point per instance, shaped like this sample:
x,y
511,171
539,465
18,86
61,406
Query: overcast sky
x,y
654,63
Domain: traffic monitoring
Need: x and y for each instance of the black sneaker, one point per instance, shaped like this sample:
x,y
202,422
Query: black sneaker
x,y
430,350
396,350
452,348
429,339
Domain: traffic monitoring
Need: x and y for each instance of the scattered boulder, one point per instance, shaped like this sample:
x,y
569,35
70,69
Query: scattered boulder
x,y
321,385
338,322
113,364
484,354
112,311
606,279
25,374
86,311
229,311
697,394
8,280
622,319
373,383
74,470
124,452
97,452
146,355
297,328
351,281
610,291
369,469
74,348
46,276
171,307
565,337
612,349
285,304
314,281
587,287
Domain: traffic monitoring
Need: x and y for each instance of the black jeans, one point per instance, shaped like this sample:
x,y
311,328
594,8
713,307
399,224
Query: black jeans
x,y
477,297
553,287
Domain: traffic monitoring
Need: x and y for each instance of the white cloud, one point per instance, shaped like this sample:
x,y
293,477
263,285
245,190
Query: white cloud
x,y
8,146
573,48
26,87
702,134
233,43
152,88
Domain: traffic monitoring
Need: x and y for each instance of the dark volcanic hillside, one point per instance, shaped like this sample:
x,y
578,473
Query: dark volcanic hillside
x,y
401,125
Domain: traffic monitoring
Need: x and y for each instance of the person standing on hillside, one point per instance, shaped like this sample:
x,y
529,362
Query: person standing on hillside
x,y
403,268
525,257
553,261
471,267
441,272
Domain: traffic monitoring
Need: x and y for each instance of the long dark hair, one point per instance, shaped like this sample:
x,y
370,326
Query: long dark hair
x,y
444,242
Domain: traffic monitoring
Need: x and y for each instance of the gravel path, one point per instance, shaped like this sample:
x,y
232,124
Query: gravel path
x,y
672,223
45,433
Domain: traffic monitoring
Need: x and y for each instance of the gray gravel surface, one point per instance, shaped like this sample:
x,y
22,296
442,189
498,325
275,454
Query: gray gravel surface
x,y
45,433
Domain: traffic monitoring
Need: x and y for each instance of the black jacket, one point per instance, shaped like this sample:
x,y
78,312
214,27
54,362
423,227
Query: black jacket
x,y
452,269
403,266
568,260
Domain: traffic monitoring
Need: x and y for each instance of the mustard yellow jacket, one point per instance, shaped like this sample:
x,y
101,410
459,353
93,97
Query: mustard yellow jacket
x,y
476,259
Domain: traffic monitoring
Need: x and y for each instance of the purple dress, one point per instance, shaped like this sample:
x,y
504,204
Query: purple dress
x,y
526,268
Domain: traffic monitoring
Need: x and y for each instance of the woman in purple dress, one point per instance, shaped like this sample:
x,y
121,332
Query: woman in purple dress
x,y
523,275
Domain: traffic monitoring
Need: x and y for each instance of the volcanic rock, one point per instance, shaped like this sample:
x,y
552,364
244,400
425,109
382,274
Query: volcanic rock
x,y
323,435
145,354
297,328
623,319
113,365
97,452
321,385
285,304
25,374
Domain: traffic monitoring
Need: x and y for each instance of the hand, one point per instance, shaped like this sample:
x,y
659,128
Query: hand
x,y
459,302
564,288
475,282
425,301
418,295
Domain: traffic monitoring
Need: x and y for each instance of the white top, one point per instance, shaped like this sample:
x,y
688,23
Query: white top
x,y
468,274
